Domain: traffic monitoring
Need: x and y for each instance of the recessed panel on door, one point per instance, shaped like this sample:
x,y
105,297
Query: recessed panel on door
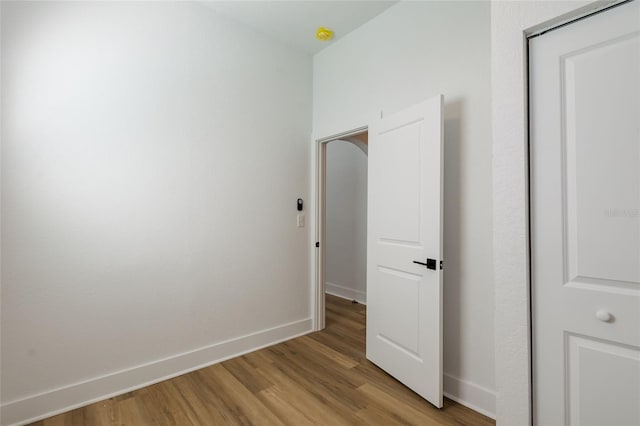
x,y
400,320
603,382
602,165
399,184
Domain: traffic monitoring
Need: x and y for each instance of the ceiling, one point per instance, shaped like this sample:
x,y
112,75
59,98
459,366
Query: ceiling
x,y
295,22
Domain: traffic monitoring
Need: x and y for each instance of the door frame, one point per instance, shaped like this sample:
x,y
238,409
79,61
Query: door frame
x,y
318,232
512,24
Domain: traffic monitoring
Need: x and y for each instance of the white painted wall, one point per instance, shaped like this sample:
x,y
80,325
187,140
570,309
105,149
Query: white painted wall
x,y
346,221
510,22
410,52
148,196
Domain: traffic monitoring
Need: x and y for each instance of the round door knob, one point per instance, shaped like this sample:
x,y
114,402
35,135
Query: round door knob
x,y
603,315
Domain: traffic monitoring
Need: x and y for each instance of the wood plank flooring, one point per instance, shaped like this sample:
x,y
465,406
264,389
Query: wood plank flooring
x,y
322,378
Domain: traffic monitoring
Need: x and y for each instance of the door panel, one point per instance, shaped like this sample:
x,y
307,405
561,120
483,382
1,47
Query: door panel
x,y
399,322
399,184
602,374
404,214
585,220
602,164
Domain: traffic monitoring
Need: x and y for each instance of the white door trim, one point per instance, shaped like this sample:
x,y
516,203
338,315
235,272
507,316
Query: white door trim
x,y
318,174
512,23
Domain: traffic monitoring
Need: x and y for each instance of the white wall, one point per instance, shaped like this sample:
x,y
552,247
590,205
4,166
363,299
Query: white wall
x,y
410,52
148,196
510,22
346,220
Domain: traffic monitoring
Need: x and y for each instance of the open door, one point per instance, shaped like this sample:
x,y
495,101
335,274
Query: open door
x,y
404,248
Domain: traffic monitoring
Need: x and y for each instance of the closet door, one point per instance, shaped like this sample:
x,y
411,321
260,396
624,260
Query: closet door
x,y
585,220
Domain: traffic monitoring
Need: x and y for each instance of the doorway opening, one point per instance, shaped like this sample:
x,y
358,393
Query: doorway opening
x,y
341,203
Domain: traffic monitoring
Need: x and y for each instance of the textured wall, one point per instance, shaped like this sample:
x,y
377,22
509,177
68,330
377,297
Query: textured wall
x,y
509,22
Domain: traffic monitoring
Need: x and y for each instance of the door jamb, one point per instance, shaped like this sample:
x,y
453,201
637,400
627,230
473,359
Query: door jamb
x,y
319,232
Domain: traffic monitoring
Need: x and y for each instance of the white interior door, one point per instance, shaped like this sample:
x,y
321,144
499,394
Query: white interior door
x,y
404,213
585,220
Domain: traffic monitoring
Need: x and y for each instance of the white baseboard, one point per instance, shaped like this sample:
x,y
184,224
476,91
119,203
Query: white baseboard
x,y
346,293
470,395
46,404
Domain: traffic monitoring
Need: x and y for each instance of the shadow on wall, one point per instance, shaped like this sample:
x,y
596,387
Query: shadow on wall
x,y
453,111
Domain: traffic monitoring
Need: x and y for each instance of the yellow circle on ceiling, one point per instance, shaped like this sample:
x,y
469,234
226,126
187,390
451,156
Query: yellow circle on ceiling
x,y
324,34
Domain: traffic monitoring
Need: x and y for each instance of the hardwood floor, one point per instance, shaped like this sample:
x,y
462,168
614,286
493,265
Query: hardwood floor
x,y
322,378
